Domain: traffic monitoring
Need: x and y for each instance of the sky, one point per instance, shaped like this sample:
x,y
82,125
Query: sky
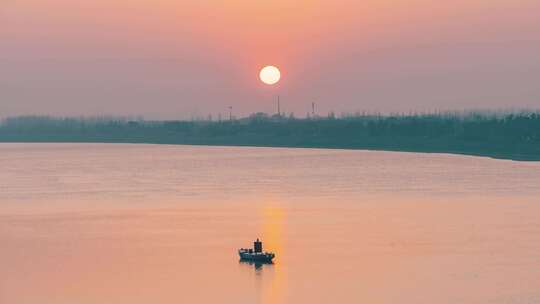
x,y
174,59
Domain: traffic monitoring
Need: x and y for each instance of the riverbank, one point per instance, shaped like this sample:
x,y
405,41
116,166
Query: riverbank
x,y
490,154
515,137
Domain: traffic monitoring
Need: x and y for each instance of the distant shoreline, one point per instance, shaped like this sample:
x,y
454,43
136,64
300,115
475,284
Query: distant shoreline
x,y
508,136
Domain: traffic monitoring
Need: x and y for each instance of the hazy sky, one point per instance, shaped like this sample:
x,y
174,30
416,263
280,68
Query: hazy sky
x,y
175,59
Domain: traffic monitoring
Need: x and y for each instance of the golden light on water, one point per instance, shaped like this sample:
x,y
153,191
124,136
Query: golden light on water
x,y
273,236
270,75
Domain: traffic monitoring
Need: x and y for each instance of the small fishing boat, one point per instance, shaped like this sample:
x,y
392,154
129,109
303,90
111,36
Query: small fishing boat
x,y
256,254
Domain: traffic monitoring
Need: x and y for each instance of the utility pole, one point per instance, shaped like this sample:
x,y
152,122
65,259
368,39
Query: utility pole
x,y
278,106
313,109
230,113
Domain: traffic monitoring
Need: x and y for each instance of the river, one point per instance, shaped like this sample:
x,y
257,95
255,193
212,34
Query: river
x,y
129,224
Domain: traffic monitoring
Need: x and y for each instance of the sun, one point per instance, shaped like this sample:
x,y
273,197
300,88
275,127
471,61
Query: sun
x,y
270,75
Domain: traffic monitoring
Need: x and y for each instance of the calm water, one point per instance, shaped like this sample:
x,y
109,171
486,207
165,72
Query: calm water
x,y
128,224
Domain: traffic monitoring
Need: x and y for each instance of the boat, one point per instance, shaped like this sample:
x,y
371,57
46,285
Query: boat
x,y
256,254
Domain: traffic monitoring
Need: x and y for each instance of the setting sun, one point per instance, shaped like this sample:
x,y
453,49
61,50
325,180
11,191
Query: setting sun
x,y
270,75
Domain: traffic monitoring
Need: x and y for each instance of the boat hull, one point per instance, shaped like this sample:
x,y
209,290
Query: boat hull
x,y
256,257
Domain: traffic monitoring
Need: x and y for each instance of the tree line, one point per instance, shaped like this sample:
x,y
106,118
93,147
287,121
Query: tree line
x,y
503,135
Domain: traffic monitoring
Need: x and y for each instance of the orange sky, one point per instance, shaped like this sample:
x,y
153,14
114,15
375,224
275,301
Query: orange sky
x,y
172,59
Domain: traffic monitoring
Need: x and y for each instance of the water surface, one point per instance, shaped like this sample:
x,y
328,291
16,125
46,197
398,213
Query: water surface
x,y
98,223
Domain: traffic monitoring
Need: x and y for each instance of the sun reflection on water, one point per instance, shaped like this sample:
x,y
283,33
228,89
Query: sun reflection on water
x,y
273,235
